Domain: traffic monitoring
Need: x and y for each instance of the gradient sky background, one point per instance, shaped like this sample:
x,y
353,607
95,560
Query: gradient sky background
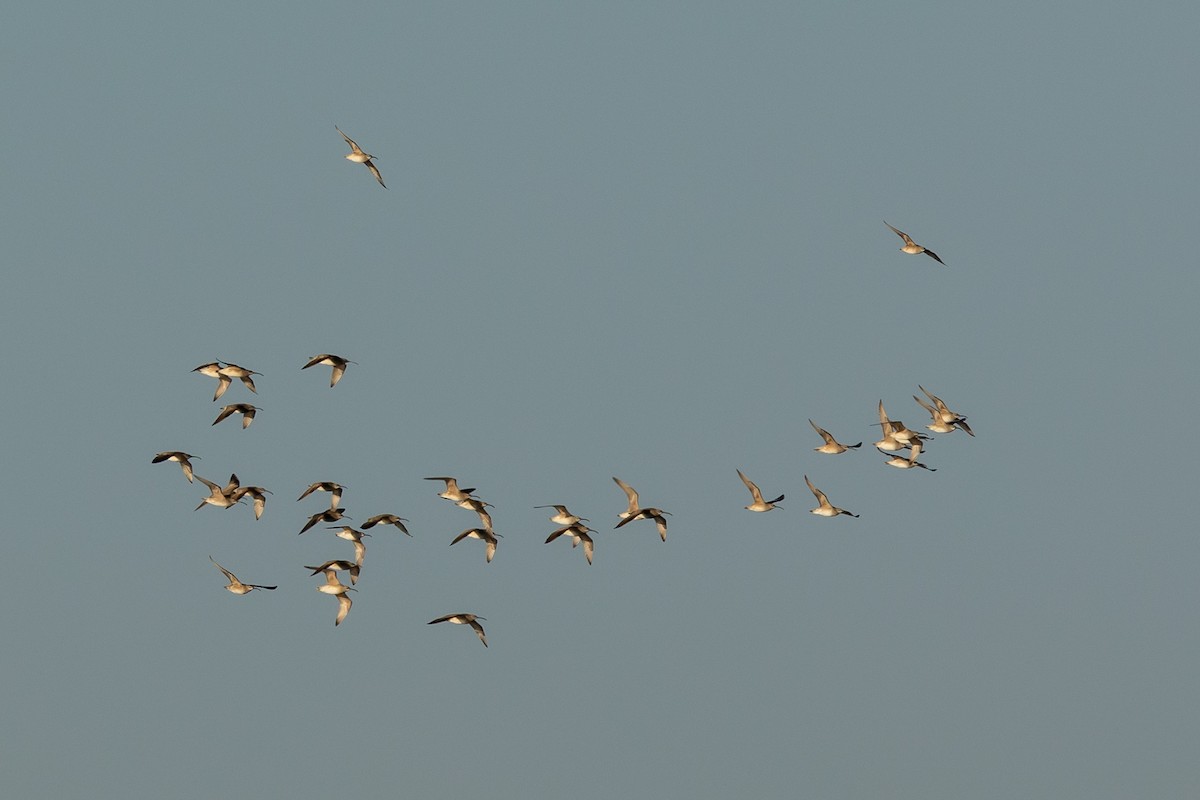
x,y
627,239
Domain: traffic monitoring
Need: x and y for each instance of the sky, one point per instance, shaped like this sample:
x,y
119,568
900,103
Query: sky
x,y
642,240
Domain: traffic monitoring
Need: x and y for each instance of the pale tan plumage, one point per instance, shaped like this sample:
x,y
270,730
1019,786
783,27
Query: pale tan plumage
x,y
832,446
337,362
358,156
824,507
579,533
245,409
236,586
483,534
912,247
759,504
178,456
464,619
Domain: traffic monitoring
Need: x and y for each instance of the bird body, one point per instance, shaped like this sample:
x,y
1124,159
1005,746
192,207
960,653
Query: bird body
x,y
230,371
912,247
657,514
220,496
178,456
337,362
329,515
335,492
236,586
562,516
824,507
832,446
579,534
245,409
387,519
358,156
759,504
335,587
452,492
483,534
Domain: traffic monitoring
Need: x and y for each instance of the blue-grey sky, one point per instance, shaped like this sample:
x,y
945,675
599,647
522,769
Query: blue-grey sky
x,y
630,239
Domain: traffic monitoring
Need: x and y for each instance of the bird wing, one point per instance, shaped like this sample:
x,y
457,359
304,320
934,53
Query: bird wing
x,y
754,491
375,171
353,144
629,492
817,493
344,603
907,239
824,434
228,574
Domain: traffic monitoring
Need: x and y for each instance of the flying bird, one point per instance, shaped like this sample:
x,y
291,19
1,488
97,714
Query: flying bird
x,y
824,507
357,155
335,587
464,619
236,586
220,496
943,413
483,534
578,533
563,516
938,425
387,519
832,446
335,492
656,514
908,463
257,493
452,492
230,371
352,535
328,515
759,504
182,458
910,246
337,362
213,370
245,409
896,435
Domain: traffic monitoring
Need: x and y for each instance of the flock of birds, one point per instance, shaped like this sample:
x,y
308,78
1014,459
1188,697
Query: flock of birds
x,y
896,438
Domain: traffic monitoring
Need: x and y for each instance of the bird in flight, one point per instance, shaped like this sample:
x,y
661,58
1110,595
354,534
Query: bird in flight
x,y
563,516
387,519
452,493
236,586
656,514
909,245
335,492
337,362
245,409
825,508
357,155
578,533
832,446
464,619
335,587
178,456
759,504
484,534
